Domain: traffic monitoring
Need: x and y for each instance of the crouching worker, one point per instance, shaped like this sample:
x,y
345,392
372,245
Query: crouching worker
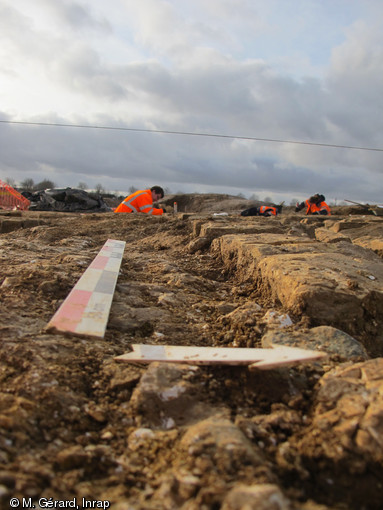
x,y
314,205
263,210
141,201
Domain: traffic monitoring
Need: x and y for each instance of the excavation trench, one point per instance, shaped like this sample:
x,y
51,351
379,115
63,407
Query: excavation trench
x,y
74,423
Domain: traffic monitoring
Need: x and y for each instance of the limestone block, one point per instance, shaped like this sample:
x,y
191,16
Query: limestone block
x,y
327,236
347,224
371,242
338,285
214,229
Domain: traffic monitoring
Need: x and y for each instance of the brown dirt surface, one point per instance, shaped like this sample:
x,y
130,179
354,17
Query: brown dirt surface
x,y
82,428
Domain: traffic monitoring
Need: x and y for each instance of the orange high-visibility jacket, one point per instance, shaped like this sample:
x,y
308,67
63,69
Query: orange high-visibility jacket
x,y
316,208
139,202
267,210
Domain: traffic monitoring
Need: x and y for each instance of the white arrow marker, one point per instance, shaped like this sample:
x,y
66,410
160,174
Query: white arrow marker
x,y
254,358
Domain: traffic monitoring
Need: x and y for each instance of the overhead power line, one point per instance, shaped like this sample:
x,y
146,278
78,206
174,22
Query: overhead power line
x,y
187,133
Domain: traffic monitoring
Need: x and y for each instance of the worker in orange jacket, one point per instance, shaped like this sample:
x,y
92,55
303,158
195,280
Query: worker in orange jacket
x,y
141,201
314,205
263,210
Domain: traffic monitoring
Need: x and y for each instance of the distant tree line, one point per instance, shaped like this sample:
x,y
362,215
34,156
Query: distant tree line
x,y
30,185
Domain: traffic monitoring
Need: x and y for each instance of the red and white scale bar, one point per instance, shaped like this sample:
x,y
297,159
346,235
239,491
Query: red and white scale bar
x,y
85,311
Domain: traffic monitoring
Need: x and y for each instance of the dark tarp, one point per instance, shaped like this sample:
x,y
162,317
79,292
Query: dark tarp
x,y
66,200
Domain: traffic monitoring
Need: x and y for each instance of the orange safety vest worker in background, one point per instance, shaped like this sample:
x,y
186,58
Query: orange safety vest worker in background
x,y
263,210
314,205
141,201
266,210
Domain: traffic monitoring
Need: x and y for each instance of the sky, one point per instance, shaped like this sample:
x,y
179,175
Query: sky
x,y
267,98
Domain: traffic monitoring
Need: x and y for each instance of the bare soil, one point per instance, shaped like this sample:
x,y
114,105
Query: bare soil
x,y
75,423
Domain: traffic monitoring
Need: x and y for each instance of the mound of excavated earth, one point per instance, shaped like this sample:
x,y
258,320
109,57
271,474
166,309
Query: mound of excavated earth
x,y
81,428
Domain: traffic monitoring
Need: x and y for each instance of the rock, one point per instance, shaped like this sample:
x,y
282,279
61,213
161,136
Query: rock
x,y
139,437
169,395
72,457
201,243
185,280
11,281
260,497
226,308
279,320
168,299
130,319
122,377
265,429
98,414
221,441
322,338
243,315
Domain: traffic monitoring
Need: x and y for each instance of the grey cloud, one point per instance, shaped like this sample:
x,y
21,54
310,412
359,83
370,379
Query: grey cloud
x,y
58,55
247,99
80,69
355,82
14,24
76,16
